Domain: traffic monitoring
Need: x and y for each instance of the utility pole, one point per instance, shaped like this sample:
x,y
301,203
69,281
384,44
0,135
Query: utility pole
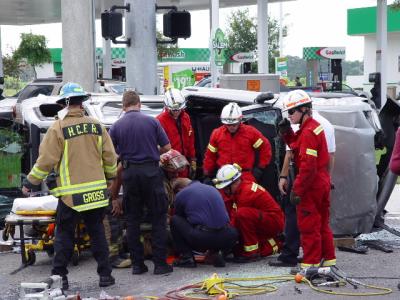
x,y
214,24
381,46
141,56
280,29
262,36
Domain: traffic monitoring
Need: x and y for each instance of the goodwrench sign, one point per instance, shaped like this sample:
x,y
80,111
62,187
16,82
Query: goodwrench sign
x,y
332,52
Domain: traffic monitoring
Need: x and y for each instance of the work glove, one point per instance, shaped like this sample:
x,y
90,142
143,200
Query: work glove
x,y
284,126
51,180
192,170
294,198
257,173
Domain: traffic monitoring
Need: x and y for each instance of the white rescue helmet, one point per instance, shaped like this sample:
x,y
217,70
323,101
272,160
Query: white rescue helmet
x,y
174,100
295,99
226,175
231,114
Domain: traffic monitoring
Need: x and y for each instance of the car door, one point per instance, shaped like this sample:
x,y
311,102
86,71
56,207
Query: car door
x,y
265,119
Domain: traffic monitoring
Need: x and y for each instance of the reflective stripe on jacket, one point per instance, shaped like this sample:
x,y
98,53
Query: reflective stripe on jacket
x,y
310,154
240,147
80,151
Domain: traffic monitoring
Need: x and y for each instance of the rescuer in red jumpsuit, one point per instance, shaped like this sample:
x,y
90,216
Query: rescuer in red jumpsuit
x,y
253,212
311,188
237,143
178,127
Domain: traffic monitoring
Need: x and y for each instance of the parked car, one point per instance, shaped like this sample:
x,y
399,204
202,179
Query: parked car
x,y
39,86
204,82
9,107
39,113
359,131
112,86
308,89
329,86
52,86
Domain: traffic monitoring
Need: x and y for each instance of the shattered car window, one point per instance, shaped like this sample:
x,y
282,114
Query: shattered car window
x,y
266,116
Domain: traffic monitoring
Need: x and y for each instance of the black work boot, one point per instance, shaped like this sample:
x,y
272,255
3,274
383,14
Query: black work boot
x,y
138,269
163,269
282,263
219,261
246,259
64,281
106,281
185,261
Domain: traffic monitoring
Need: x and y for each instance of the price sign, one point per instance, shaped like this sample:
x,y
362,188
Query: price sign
x,y
183,78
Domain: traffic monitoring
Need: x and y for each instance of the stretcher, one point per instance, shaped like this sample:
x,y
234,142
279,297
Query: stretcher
x,y
39,214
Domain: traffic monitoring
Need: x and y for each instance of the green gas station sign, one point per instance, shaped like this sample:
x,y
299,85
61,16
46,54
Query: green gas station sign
x,y
219,44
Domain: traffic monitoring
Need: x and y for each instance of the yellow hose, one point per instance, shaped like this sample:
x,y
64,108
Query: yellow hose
x,y
230,289
384,290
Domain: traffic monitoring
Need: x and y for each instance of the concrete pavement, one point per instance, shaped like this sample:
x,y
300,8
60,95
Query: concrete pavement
x,y
83,278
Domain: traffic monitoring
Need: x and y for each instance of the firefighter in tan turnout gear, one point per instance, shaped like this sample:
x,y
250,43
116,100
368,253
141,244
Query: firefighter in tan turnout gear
x,y
79,150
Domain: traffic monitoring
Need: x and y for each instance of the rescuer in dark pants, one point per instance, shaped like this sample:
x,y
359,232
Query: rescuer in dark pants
x,y
136,138
66,220
200,223
291,246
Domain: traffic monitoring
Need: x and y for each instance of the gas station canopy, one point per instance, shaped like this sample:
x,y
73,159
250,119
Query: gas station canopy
x,y
27,12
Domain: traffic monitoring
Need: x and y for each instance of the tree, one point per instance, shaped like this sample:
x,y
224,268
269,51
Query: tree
x,y
242,31
242,35
163,49
11,65
33,48
396,5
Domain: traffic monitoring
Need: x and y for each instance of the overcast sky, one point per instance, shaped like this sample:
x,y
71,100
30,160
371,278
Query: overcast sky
x,y
310,23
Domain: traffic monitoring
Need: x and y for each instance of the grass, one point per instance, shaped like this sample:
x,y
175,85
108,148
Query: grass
x,y
9,92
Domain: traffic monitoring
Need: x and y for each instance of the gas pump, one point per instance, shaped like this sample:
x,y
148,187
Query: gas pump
x,y
331,78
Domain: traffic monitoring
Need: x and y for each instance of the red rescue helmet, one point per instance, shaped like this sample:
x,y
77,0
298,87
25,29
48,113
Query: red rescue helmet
x,y
173,161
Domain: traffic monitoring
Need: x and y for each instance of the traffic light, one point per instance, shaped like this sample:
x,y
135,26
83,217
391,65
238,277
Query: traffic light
x,y
111,24
177,24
